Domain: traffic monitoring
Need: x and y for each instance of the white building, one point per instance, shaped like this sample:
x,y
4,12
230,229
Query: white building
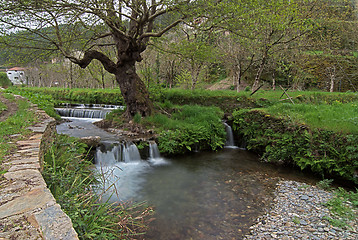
x,y
16,75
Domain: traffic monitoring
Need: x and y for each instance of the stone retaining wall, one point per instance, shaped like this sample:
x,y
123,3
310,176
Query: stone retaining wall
x,y
27,208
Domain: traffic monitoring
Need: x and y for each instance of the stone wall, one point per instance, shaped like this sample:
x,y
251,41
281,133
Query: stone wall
x,y
27,208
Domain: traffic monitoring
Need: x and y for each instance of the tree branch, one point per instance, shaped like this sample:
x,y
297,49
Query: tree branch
x,y
107,63
159,34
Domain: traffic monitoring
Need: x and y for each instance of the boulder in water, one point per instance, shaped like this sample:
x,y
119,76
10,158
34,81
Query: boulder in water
x,y
92,141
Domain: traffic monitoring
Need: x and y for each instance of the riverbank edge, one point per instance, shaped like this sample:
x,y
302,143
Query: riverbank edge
x,y
299,212
277,140
28,210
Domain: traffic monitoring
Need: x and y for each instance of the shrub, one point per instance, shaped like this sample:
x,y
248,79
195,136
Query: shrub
x,y
4,80
187,127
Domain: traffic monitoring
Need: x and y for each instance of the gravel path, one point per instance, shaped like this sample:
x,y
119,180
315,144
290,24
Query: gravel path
x,y
298,213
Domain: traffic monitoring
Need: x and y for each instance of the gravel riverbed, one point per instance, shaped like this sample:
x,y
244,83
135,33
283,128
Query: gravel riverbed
x,y
298,212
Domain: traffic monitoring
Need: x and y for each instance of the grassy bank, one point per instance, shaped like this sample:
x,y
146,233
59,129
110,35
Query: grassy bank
x,y
43,101
14,127
72,181
77,95
338,116
188,128
325,152
180,129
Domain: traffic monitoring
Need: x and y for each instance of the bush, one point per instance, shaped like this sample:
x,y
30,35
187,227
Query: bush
x,y
4,80
189,127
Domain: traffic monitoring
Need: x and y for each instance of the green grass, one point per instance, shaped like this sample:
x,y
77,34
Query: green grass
x,y
187,126
343,206
9,96
78,95
338,117
3,107
44,102
15,124
333,111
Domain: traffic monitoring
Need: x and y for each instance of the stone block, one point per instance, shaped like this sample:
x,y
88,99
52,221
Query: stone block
x,y
36,199
24,161
20,167
31,176
55,224
40,129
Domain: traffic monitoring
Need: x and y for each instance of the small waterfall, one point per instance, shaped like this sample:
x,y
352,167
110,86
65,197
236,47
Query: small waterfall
x,y
153,150
108,154
130,153
119,166
154,155
82,113
86,110
229,136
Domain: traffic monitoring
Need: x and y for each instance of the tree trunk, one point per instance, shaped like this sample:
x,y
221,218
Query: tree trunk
x,y
134,92
332,76
238,79
273,81
258,74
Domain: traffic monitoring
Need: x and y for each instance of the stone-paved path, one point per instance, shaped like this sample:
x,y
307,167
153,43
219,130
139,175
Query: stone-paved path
x,y
298,213
27,208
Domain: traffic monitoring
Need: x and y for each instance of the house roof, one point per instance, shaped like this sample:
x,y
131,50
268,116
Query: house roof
x,y
16,69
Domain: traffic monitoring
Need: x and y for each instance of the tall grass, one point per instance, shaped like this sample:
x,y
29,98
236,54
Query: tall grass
x,y
71,180
79,95
338,117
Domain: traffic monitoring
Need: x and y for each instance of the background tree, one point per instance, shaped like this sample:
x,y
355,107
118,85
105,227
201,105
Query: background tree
x,y
260,29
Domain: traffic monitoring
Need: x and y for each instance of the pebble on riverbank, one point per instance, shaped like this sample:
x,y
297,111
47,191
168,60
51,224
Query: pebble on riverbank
x,y
298,213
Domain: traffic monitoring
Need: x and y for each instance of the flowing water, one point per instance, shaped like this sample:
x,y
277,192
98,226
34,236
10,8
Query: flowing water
x,y
230,142
207,195
79,121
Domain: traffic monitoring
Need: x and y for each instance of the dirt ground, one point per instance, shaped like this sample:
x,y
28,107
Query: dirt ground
x,y
11,108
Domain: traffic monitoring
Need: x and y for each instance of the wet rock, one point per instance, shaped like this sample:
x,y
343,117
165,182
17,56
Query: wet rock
x,y
304,197
92,141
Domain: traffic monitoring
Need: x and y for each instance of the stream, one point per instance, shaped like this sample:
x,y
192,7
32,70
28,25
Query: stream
x,y
204,195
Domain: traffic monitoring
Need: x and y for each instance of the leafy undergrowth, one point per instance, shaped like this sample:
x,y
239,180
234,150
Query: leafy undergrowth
x,y
15,126
71,180
188,127
4,80
343,206
324,152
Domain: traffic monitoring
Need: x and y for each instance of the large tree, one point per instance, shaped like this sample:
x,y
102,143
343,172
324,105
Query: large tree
x,y
79,29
